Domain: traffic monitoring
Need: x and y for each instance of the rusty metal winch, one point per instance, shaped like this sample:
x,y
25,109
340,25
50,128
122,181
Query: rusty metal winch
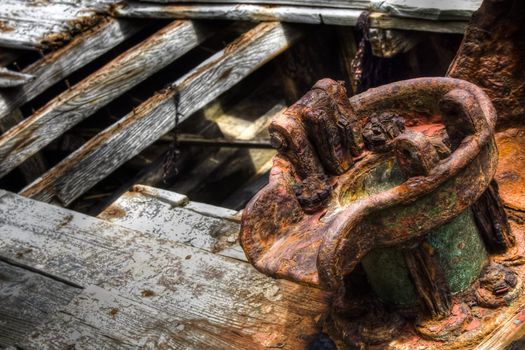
x,y
387,199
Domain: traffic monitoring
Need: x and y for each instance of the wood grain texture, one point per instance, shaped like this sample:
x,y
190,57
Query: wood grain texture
x,y
98,319
34,166
161,214
26,300
358,4
243,12
385,21
234,305
98,89
57,65
425,9
111,148
509,335
9,78
35,25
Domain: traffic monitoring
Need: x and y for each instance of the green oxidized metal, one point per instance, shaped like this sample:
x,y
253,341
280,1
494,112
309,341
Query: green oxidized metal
x,y
457,246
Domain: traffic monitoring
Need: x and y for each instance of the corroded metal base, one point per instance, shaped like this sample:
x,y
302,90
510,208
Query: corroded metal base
x,y
482,317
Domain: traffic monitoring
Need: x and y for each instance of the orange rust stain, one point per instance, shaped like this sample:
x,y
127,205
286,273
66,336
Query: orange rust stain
x,y
4,27
427,124
113,212
147,293
475,323
511,146
54,55
113,312
74,27
248,37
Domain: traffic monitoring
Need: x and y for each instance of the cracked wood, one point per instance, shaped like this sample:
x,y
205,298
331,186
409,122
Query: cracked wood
x,y
57,65
236,306
101,87
111,148
243,12
28,299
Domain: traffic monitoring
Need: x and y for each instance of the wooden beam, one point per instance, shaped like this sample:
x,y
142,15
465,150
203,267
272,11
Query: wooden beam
x,y
228,116
28,299
9,78
284,13
172,216
385,21
246,12
221,303
57,65
34,166
98,319
111,148
431,10
357,4
101,87
26,26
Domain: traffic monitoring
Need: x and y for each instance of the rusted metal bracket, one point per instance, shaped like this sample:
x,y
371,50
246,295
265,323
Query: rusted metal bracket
x,y
393,184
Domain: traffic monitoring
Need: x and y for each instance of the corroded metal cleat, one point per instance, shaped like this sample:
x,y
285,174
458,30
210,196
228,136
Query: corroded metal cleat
x,y
382,199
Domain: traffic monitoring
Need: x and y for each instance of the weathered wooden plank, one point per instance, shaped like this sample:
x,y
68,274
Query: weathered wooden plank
x,y
391,42
169,215
385,21
98,319
509,336
34,166
9,78
357,4
101,87
26,300
59,64
29,25
425,9
250,12
236,306
177,199
220,117
109,149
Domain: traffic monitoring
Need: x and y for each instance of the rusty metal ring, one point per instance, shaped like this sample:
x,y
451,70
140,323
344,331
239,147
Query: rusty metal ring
x,y
325,249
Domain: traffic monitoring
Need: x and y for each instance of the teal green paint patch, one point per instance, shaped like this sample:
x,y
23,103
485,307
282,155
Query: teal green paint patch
x,y
460,251
389,277
457,245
